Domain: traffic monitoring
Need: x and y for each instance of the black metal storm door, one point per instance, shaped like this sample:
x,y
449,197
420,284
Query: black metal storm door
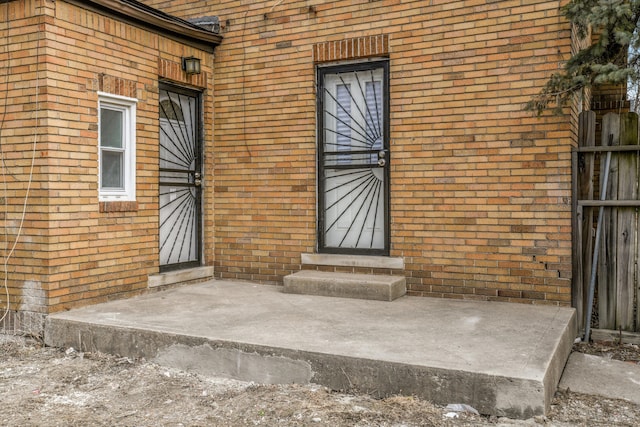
x,y
180,178
354,158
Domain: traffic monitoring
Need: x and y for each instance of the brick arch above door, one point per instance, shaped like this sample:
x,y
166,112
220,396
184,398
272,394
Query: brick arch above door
x,y
351,48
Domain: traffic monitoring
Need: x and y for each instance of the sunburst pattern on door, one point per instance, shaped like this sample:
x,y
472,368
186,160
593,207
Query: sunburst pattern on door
x,y
353,159
179,178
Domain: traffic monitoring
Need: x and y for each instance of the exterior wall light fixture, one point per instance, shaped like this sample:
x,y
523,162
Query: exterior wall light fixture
x,y
191,65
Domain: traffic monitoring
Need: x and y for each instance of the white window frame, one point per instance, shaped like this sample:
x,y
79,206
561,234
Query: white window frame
x,y
128,107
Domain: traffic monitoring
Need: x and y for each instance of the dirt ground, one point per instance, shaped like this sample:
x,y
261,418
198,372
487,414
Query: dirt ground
x,y
51,387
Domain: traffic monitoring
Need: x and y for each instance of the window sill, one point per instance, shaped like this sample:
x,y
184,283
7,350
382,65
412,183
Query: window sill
x,y
118,206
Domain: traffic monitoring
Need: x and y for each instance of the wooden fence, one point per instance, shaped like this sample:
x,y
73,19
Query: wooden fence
x,y
606,205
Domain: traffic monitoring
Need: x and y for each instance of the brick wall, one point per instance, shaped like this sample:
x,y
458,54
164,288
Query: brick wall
x,y
76,249
480,190
24,230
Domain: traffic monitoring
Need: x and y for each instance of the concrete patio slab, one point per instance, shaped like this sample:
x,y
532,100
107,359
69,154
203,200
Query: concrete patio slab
x,y
503,359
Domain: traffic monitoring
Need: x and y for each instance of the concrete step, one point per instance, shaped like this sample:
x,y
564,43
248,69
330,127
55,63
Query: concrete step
x,y
346,285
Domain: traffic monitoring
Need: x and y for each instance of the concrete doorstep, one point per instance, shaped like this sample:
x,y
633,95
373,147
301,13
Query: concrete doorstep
x,y
346,285
502,359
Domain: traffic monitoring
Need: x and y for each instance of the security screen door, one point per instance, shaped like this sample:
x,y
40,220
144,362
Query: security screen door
x,y
353,169
180,178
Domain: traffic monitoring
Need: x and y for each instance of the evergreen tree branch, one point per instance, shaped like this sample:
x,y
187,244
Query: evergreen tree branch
x,y
611,57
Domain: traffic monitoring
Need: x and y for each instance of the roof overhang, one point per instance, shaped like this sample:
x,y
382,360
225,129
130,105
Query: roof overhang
x,y
141,15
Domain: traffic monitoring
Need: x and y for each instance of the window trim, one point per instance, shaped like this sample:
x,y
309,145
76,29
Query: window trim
x,y
128,107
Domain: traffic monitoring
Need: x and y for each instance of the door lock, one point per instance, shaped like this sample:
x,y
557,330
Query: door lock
x,y
381,158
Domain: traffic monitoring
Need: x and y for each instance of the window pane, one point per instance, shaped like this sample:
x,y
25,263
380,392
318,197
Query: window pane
x,y
111,128
354,117
170,110
343,122
374,113
112,169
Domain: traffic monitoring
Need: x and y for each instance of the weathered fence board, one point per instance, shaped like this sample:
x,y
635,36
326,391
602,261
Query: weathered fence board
x,y
617,269
607,273
582,243
626,231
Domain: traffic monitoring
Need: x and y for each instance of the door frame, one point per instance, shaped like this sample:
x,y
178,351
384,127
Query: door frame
x,y
321,71
195,178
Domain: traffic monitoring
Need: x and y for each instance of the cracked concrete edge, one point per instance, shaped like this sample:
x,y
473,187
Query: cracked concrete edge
x,y
556,365
493,395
